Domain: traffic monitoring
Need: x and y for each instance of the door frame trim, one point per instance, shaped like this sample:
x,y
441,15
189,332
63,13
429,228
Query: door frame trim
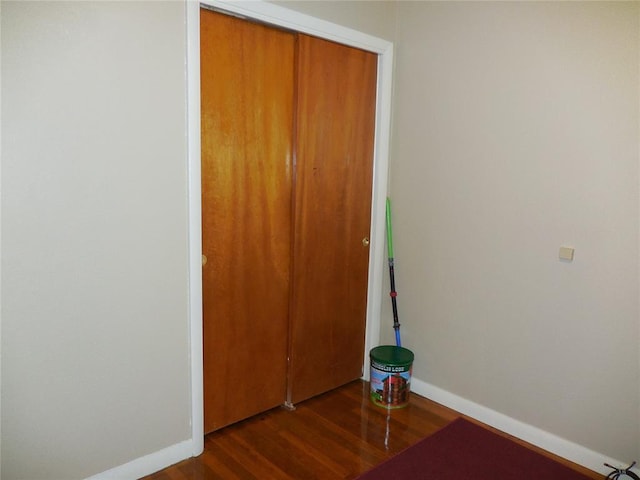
x,y
292,20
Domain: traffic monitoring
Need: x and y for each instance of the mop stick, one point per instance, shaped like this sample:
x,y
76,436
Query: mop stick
x,y
393,293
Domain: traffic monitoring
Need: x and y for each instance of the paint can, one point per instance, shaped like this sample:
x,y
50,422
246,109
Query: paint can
x,y
390,375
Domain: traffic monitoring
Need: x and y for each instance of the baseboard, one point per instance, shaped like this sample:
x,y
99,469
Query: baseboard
x,y
540,438
148,464
559,446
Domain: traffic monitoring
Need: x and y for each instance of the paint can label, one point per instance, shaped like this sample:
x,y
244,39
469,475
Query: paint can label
x,y
390,384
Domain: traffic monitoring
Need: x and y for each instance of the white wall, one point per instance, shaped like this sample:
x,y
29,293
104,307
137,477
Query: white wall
x,y
94,249
516,132
375,18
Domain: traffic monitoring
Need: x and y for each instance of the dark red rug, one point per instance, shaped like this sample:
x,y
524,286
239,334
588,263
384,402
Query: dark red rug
x,y
465,451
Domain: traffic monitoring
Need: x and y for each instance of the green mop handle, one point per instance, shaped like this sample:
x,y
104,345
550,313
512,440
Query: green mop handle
x,y
392,279
389,232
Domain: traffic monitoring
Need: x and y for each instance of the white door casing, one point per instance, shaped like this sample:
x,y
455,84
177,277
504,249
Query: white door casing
x,y
292,20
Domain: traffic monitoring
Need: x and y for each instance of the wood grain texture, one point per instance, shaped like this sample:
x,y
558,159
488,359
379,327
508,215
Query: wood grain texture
x,y
247,128
335,130
337,435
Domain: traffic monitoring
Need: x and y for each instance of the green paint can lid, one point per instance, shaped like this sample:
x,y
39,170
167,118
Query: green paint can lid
x,y
392,355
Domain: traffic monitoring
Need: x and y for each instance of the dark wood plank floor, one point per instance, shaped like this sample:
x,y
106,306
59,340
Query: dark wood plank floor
x,y
338,435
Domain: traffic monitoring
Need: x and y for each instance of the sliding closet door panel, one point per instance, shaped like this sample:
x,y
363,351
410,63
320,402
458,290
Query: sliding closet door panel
x,y
247,75
335,138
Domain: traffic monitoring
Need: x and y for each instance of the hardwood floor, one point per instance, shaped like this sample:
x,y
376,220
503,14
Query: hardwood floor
x,y
338,435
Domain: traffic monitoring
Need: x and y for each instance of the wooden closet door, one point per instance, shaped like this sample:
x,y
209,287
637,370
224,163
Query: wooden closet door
x,y
247,73
335,139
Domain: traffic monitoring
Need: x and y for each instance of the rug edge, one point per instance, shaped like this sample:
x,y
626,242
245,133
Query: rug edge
x,y
535,436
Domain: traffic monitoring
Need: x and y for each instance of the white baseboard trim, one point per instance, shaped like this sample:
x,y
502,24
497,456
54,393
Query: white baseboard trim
x,y
540,438
153,462
148,464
